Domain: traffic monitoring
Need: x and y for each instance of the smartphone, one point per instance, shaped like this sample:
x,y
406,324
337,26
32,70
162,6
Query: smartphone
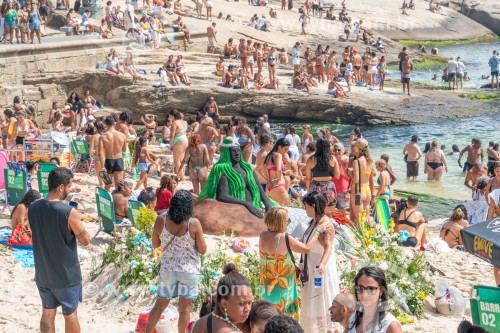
x,y
73,204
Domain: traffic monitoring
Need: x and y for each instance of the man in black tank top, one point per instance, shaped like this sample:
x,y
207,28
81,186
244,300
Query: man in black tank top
x,y
56,227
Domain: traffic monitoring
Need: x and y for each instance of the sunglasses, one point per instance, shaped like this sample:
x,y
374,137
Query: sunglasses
x,y
368,290
337,150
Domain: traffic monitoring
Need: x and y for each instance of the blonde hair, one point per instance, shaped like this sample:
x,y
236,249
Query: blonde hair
x,y
276,219
207,121
381,163
457,215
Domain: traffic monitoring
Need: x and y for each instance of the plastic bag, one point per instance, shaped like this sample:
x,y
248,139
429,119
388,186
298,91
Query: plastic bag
x,y
167,322
448,300
437,245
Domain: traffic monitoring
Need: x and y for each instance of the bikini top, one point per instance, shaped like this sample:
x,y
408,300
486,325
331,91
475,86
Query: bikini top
x,y
273,168
25,129
448,230
316,172
408,223
271,58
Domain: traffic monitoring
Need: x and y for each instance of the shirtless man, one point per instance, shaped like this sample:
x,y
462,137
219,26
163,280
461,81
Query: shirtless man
x,y
242,48
474,151
178,8
230,50
356,64
209,136
473,174
111,146
211,108
212,40
122,124
250,52
413,154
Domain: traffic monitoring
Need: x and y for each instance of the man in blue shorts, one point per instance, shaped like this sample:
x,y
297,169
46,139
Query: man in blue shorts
x,y
56,227
494,63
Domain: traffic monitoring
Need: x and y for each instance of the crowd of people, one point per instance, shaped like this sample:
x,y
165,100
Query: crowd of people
x,y
22,21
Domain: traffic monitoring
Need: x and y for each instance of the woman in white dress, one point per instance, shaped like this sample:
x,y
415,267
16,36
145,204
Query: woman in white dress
x,y
371,314
314,313
294,140
307,138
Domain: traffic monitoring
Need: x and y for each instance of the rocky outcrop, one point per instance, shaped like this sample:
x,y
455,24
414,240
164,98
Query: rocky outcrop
x,y
485,12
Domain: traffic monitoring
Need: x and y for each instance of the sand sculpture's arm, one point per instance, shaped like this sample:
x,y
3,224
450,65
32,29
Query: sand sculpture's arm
x,y
223,196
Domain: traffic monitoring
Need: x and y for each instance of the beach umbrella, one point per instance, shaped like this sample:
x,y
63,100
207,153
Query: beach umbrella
x,y
483,240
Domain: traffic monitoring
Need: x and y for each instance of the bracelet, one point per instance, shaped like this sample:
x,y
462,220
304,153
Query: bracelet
x,y
317,231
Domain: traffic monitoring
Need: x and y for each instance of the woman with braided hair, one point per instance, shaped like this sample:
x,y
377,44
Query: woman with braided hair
x,y
233,180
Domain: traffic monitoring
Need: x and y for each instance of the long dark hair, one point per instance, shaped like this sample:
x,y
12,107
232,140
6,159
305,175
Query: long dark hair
x,y
280,143
319,201
378,275
322,155
138,147
30,197
165,183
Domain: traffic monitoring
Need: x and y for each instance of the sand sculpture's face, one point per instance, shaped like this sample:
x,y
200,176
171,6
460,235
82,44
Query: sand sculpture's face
x,y
234,153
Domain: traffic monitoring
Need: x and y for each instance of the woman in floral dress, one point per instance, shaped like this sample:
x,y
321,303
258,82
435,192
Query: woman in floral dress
x,y
277,270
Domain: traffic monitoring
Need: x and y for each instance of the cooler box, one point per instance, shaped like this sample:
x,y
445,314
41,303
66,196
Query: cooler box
x,y
485,308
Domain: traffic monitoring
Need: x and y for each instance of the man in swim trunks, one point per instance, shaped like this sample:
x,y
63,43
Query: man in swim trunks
x,y
356,64
406,68
212,40
209,136
401,56
412,155
111,146
473,175
474,151
452,72
242,48
230,50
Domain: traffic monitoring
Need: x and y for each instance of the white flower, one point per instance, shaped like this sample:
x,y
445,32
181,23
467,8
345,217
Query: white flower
x,y
383,266
141,273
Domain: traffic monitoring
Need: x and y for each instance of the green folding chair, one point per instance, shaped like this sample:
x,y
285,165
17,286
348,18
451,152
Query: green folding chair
x,y
105,210
82,151
133,210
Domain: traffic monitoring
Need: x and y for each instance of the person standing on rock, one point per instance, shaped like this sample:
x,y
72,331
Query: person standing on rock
x,y
111,146
412,155
296,56
401,56
406,68
242,48
128,17
460,73
212,40
452,72
494,63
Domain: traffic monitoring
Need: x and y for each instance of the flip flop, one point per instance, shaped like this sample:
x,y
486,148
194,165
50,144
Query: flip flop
x,y
105,177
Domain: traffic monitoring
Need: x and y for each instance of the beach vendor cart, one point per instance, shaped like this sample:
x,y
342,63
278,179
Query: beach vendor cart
x,y
483,240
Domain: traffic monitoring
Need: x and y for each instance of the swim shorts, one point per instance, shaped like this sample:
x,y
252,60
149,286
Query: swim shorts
x,y
411,169
495,73
112,165
405,78
67,297
451,76
467,166
212,42
460,75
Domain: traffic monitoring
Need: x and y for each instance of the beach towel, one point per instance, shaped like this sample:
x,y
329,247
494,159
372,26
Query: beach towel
x,y
22,255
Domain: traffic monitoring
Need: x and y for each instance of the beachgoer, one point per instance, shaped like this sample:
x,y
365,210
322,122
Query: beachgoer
x,y
472,176
266,144
230,50
474,152
361,174
372,294
295,143
233,303
304,19
262,311
181,239
164,193
450,230
275,170
276,248
494,63
315,301
296,56
412,221
283,323
494,181
320,169
22,129
385,157
212,39
435,162
412,155
245,138
452,70
112,145
178,141
460,73
343,183
141,157
19,214
494,204
56,227
197,160
402,56
383,181
343,306
382,67
406,68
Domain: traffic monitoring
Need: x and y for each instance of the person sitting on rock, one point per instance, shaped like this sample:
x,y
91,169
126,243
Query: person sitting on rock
x,y
233,181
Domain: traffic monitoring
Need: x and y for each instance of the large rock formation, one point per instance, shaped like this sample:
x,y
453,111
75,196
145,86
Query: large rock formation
x,y
485,12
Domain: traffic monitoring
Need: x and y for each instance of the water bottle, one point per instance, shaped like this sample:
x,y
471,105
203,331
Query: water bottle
x,y
318,279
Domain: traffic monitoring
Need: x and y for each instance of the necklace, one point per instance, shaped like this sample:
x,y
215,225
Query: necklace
x,y
227,321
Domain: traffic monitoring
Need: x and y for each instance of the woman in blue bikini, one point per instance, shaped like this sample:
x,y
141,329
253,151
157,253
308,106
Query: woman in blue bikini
x,y
383,181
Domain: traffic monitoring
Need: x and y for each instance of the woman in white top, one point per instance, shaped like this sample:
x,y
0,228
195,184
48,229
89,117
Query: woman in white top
x,y
294,140
372,297
306,138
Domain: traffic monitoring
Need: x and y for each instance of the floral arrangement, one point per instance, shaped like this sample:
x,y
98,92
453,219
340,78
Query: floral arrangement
x,y
138,264
145,220
407,272
247,263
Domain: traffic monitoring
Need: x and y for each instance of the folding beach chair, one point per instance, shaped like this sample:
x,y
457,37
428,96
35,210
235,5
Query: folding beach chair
x,y
133,210
4,159
83,159
105,210
485,307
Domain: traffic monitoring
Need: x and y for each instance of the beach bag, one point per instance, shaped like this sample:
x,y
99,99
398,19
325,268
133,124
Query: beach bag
x,y
448,300
20,237
299,274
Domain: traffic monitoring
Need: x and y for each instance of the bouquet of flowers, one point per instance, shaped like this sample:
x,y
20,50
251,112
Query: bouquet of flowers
x,y
408,275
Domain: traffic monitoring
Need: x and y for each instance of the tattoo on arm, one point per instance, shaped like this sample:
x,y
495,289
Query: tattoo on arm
x,y
81,234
